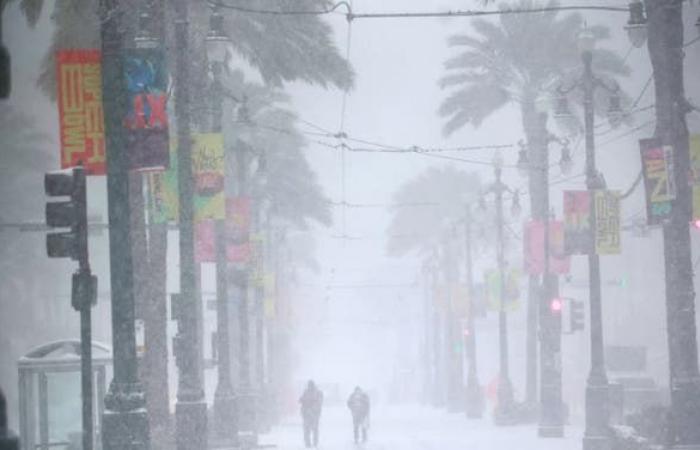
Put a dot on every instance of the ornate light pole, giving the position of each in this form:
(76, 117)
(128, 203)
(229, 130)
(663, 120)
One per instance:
(551, 414)
(597, 433)
(474, 405)
(225, 425)
(125, 422)
(191, 407)
(504, 413)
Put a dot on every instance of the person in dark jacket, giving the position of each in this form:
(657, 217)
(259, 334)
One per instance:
(311, 403)
(359, 408)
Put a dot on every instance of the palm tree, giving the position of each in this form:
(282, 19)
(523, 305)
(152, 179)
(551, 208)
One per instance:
(514, 62)
(445, 192)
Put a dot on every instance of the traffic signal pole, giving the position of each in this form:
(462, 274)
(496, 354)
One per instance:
(74, 244)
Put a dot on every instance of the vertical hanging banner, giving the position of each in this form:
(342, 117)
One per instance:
(163, 202)
(146, 121)
(257, 253)
(695, 168)
(493, 289)
(79, 98)
(607, 222)
(657, 167)
(208, 171)
(205, 241)
(559, 262)
(578, 232)
(238, 248)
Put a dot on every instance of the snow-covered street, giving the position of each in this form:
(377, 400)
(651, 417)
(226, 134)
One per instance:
(417, 428)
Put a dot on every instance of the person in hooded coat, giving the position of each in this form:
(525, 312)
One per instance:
(311, 403)
(358, 403)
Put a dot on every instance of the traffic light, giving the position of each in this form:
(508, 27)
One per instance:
(70, 213)
(556, 305)
(578, 316)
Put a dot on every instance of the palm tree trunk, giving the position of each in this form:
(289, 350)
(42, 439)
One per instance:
(665, 48)
(538, 212)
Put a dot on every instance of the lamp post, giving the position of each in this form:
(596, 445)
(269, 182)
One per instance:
(504, 413)
(125, 422)
(225, 426)
(474, 405)
(597, 433)
(551, 416)
(191, 407)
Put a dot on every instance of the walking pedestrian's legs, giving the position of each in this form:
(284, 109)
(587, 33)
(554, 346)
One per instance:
(307, 433)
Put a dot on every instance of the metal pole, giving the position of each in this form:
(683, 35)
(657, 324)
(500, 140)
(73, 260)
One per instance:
(474, 403)
(245, 401)
(190, 408)
(86, 378)
(666, 34)
(125, 422)
(224, 398)
(597, 433)
(503, 415)
(260, 319)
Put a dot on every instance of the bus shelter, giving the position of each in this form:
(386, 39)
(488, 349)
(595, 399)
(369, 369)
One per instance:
(50, 394)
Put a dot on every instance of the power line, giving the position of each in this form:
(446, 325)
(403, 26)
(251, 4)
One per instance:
(351, 15)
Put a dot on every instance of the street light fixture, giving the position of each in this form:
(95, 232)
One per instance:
(637, 24)
(523, 163)
(566, 164)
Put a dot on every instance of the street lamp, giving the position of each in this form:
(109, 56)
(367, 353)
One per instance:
(551, 417)
(504, 413)
(225, 426)
(637, 24)
(597, 433)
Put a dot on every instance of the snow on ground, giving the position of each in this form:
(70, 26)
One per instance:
(418, 428)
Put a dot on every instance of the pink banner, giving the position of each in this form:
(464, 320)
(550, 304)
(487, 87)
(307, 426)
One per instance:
(559, 262)
(205, 241)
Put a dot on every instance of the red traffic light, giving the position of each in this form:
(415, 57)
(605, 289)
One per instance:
(556, 305)
(696, 223)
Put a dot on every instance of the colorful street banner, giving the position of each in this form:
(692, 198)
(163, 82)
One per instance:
(163, 199)
(559, 262)
(492, 288)
(578, 232)
(657, 167)
(238, 248)
(205, 241)
(81, 118)
(146, 121)
(607, 219)
(208, 170)
(695, 168)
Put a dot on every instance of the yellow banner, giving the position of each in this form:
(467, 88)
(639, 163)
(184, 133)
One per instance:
(607, 222)
(208, 167)
(695, 167)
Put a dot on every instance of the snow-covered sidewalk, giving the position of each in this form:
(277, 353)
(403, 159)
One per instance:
(417, 428)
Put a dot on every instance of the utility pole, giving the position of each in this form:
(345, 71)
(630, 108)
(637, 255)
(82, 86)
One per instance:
(190, 408)
(474, 400)
(259, 311)
(665, 45)
(125, 422)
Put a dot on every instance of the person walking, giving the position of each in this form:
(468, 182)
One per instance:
(311, 403)
(358, 403)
